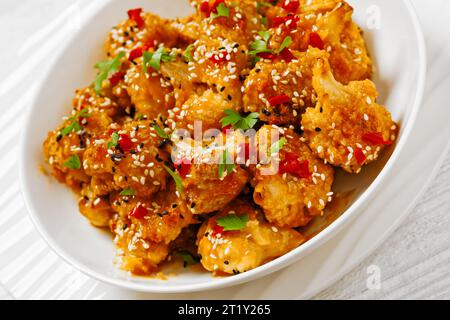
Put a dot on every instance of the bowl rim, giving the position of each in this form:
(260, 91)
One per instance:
(268, 268)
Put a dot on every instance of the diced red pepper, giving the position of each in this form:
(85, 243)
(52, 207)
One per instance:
(290, 164)
(244, 153)
(136, 53)
(217, 230)
(135, 15)
(359, 156)
(291, 5)
(224, 129)
(376, 139)
(278, 20)
(139, 212)
(183, 168)
(148, 44)
(116, 77)
(266, 55)
(204, 7)
(316, 41)
(287, 55)
(219, 58)
(278, 100)
(125, 143)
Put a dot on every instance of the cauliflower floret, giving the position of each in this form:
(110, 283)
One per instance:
(137, 255)
(271, 81)
(347, 128)
(232, 252)
(98, 211)
(297, 174)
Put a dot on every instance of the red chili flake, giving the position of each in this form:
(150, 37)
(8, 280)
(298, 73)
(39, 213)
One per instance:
(183, 168)
(220, 57)
(204, 7)
(125, 143)
(138, 212)
(136, 53)
(278, 21)
(290, 164)
(376, 139)
(116, 77)
(277, 100)
(359, 156)
(267, 55)
(216, 230)
(316, 41)
(135, 15)
(287, 55)
(291, 5)
(148, 44)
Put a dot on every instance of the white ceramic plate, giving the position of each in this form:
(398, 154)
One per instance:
(398, 50)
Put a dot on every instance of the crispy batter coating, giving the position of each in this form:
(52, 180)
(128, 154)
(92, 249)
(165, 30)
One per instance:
(233, 252)
(306, 189)
(269, 80)
(340, 129)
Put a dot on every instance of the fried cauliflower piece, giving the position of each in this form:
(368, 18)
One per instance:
(159, 218)
(347, 128)
(326, 25)
(233, 252)
(98, 211)
(129, 35)
(135, 161)
(269, 81)
(297, 174)
(207, 108)
(242, 22)
(150, 93)
(136, 254)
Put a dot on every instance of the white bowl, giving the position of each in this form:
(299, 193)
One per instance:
(396, 43)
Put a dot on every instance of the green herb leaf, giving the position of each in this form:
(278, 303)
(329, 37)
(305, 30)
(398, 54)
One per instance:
(106, 69)
(264, 21)
(114, 140)
(154, 59)
(222, 11)
(226, 164)
(277, 146)
(260, 45)
(188, 258)
(176, 178)
(239, 122)
(160, 131)
(233, 222)
(286, 43)
(187, 55)
(73, 163)
(128, 192)
(74, 126)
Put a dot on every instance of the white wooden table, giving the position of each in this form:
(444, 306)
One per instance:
(413, 262)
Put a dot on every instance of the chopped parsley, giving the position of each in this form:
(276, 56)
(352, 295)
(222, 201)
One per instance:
(74, 126)
(277, 146)
(160, 131)
(260, 45)
(187, 55)
(188, 258)
(128, 192)
(239, 122)
(286, 43)
(226, 164)
(114, 140)
(73, 163)
(106, 69)
(222, 11)
(233, 222)
(154, 59)
(176, 178)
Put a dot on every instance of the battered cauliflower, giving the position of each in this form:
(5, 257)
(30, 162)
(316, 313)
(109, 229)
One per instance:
(347, 128)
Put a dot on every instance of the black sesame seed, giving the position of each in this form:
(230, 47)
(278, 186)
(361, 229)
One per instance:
(318, 129)
(226, 262)
(58, 138)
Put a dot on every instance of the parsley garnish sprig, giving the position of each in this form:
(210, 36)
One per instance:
(154, 59)
(233, 222)
(239, 122)
(73, 163)
(74, 126)
(222, 11)
(128, 192)
(176, 178)
(226, 164)
(261, 45)
(106, 69)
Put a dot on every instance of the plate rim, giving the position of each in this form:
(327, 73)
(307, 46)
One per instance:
(269, 267)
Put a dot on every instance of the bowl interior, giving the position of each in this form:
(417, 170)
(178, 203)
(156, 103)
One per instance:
(390, 33)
